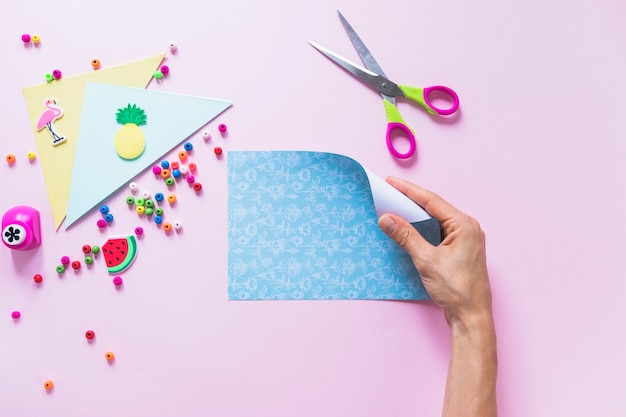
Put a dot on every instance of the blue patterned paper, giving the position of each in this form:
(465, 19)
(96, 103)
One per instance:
(302, 225)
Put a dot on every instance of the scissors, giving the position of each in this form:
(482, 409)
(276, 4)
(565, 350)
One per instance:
(374, 76)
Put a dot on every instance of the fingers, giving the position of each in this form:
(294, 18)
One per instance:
(405, 235)
(431, 202)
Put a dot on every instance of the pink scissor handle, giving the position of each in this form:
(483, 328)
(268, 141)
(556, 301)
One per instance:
(391, 127)
(445, 90)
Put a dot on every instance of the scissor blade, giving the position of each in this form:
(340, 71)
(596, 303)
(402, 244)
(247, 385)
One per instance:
(364, 53)
(376, 81)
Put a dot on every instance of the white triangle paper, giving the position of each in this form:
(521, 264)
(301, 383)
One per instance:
(98, 170)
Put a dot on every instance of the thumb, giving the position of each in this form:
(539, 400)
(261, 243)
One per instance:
(405, 235)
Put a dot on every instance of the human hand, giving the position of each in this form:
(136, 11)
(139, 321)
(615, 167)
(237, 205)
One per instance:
(455, 272)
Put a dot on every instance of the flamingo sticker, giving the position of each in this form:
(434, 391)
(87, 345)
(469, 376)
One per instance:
(48, 117)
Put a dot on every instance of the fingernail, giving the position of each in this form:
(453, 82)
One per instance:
(387, 224)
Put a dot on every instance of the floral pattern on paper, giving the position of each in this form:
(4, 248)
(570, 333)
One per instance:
(302, 225)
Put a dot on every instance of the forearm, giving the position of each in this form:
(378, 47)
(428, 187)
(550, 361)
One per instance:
(471, 384)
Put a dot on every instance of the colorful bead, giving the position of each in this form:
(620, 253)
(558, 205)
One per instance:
(217, 150)
(184, 170)
(165, 173)
(222, 128)
(109, 356)
(191, 179)
(193, 167)
(108, 218)
(95, 63)
(36, 39)
(31, 156)
(188, 146)
(10, 159)
(174, 165)
(90, 334)
(140, 201)
(76, 265)
(138, 230)
(169, 181)
(130, 200)
(165, 164)
(158, 219)
(171, 198)
(57, 74)
(149, 203)
(38, 278)
(149, 211)
(206, 135)
(177, 225)
(16, 314)
(104, 209)
(118, 281)
(176, 173)
(140, 209)
(146, 195)
(48, 385)
(65, 260)
(158, 211)
(26, 38)
(86, 249)
(60, 269)
(158, 196)
(95, 249)
(165, 69)
(167, 227)
(133, 187)
(101, 223)
(156, 170)
(197, 186)
(49, 77)
(88, 260)
(182, 155)
(158, 74)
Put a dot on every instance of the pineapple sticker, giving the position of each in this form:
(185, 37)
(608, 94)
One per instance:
(129, 140)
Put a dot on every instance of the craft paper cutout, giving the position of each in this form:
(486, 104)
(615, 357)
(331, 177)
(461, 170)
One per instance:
(129, 140)
(48, 117)
(98, 170)
(57, 162)
(303, 225)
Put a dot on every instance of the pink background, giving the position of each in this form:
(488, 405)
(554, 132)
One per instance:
(537, 154)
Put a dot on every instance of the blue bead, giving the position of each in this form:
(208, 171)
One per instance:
(188, 146)
(158, 197)
(165, 165)
(108, 217)
(104, 209)
(158, 219)
(176, 173)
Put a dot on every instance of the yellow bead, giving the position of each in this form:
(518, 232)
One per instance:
(140, 209)
(36, 39)
(31, 156)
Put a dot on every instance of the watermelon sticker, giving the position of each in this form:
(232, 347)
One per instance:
(119, 253)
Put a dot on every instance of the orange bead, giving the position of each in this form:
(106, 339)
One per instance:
(165, 173)
(182, 155)
(171, 198)
(95, 63)
(48, 385)
(193, 167)
(109, 356)
(167, 227)
(10, 159)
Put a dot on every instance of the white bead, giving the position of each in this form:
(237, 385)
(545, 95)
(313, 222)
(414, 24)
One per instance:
(133, 186)
(206, 135)
(178, 225)
(146, 195)
(183, 170)
(173, 46)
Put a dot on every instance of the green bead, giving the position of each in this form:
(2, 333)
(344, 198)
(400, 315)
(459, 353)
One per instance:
(130, 200)
(158, 211)
(95, 249)
(149, 211)
(140, 201)
(60, 269)
(169, 181)
(88, 260)
(158, 74)
(49, 77)
(149, 203)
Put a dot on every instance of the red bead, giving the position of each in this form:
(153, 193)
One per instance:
(86, 249)
(197, 186)
(76, 265)
(90, 334)
(217, 150)
(38, 278)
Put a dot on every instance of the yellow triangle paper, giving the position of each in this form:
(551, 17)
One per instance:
(57, 159)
